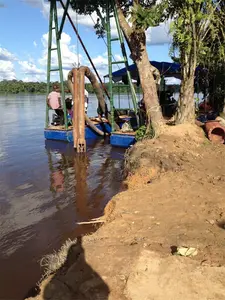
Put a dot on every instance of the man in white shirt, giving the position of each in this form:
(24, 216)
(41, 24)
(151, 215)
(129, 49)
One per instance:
(86, 94)
(86, 100)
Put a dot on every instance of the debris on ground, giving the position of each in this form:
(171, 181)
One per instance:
(186, 251)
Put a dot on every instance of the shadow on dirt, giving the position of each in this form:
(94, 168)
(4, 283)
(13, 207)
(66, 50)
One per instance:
(74, 280)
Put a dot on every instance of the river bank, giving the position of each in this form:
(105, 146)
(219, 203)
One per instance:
(174, 198)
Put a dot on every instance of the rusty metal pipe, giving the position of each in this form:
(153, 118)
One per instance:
(97, 89)
(70, 81)
(93, 127)
(88, 121)
(99, 93)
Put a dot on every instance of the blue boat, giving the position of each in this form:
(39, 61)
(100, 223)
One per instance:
(117, 139)
(122, 139)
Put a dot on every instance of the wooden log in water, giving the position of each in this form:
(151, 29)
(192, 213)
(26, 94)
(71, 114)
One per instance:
(75, 105)
(81, 142)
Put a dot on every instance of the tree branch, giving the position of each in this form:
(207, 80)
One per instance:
(101, 17)
(123, 22)
(194, 42)
(204, 27)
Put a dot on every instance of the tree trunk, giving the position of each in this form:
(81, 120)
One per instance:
(153, 108)
(186, 103)
(136, 40)
(186, 107)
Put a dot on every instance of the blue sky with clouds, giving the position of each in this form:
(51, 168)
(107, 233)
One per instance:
(23, 41)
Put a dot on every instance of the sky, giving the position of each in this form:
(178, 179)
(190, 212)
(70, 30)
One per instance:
(24, 38)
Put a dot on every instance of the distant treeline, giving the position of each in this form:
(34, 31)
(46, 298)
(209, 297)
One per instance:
(19, 86)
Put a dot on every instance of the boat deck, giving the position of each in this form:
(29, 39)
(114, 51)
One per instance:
(122, 139)
(118, 139)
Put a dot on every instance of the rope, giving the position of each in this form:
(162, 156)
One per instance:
(119, 96)
(128, 96)
(117, 67)
(78, 56)
(155, 108)
(85, 50)
(105, 43)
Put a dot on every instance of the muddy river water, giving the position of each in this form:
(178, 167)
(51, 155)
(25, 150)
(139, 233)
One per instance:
(45, 189)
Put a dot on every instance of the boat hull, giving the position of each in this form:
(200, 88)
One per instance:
(117, 139)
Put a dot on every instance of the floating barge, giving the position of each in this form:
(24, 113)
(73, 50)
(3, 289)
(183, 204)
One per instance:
(121, 139)
(80, 132)
(117, 139)
(59, 133)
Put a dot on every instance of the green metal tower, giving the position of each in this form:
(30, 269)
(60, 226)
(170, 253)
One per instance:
(110, 13)
(53, 25)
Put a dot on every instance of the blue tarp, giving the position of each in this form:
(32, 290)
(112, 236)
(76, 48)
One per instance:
(165, 68)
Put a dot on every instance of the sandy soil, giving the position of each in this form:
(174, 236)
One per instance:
(175, 197)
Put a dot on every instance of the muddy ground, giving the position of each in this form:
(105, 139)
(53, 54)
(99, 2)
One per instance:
(175, 197)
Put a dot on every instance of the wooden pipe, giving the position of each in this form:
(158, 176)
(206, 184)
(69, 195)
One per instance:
(88, 121)
(75, 88)
(81, 142)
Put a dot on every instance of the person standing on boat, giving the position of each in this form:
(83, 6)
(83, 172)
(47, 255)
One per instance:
(69, 108)
(86, 100)
(54, 102)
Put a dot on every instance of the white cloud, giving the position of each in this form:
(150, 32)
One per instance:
(159, 35)
(6, 55)
(100, 62)
(7, 70)
(69, 57)
(6, 65)
(36, 78)
(29, 68)
(117, 57)
(35, 44)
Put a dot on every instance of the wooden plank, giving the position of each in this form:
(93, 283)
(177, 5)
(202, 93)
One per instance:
(59, 127)
(123, 133)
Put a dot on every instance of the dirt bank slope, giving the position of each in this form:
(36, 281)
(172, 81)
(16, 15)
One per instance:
(175, 198)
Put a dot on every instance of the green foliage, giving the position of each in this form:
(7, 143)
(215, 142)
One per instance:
(199, 38)
(142, 14)
(99, 29)
(197, 28)
(19, 86)
(142, 133)
(143, 17)
(89, 6)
